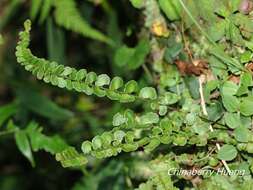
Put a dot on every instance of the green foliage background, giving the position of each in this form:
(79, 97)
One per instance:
(110, 108)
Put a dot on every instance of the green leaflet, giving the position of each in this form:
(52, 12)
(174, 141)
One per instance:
(242, 134)
(227, 152)
(81, 81)
(232, 120)
(24, 145)
(246, 106)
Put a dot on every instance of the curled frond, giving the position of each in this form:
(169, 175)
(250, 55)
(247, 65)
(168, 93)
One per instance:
(78, 80)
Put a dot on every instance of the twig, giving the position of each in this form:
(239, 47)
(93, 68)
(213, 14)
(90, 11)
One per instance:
(203, 106)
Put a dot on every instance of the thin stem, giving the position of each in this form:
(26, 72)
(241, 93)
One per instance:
(203, 106)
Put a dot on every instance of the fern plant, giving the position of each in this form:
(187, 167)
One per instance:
(196, 116)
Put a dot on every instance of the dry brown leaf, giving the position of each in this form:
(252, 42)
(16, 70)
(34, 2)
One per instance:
(197, 68)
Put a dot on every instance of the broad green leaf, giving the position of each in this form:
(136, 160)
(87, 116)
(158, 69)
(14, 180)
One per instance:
(246, 79)
(227, 152)
(229, 88)
(231, 103)
(246, 106)
(242, 90)
(232, 120)
(245, 82)
(215, 111)
(241, 134)
(24, 145)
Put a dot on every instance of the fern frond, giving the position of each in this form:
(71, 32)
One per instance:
(39, 141)
(67, 15)
(79, 80)
(125, 137)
